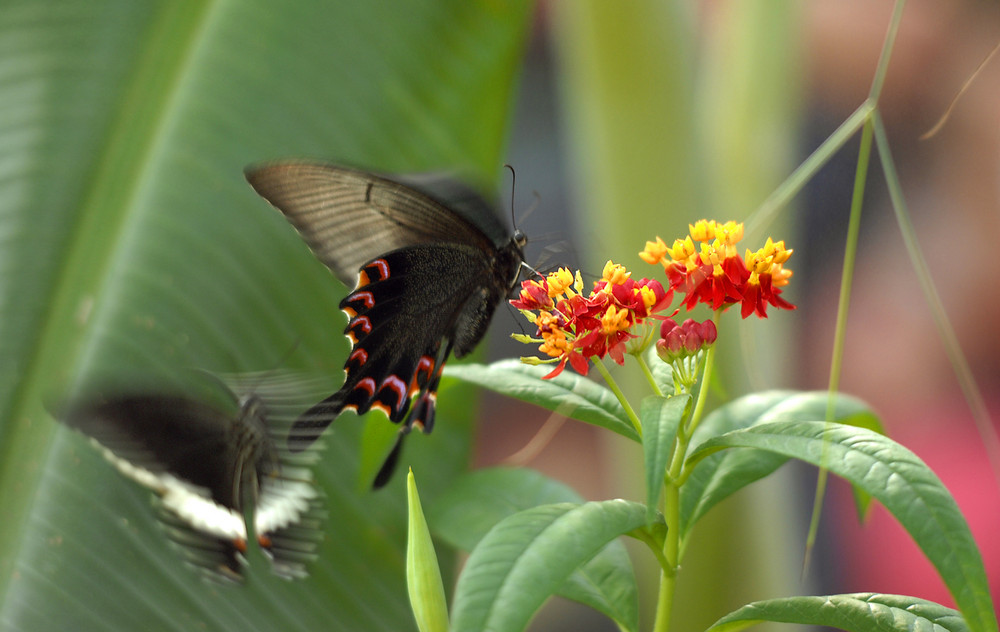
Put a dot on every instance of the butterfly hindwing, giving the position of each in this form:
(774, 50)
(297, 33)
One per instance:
(403, 295)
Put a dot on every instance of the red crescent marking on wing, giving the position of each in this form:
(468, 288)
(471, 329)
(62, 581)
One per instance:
(360, 356)
(365, 296)
(427, 402)
(424, 367)
(383, 268)
(367, 384)
(426, 364)
(361, 321)
(398, 387)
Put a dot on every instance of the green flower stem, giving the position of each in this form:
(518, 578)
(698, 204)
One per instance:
(706, 375)
(672, 495)
(648, 374)
(671, 544)
(632, 417)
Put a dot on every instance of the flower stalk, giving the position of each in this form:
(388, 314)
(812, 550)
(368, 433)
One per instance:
(613, 385)
(616, 319)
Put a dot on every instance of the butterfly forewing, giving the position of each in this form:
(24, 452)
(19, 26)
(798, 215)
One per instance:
(347, 217)
(162, 433)
(205, 462)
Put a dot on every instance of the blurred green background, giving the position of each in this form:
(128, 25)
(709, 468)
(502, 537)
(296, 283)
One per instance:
(131, 245)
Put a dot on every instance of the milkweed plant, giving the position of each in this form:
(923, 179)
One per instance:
(530, 537)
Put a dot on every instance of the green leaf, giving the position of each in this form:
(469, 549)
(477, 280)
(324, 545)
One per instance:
(567, 394)
(663, 372)
(132, 246)
(898, 479)
(477, 501)
(527, 557)
(858, 612)
(423, 576)
(720, 475)
(660, 417)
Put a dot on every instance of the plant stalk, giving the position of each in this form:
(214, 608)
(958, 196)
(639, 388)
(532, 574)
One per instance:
(629, 412)
(671, 497)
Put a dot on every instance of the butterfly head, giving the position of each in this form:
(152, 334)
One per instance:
(519, 240)
(511, 257)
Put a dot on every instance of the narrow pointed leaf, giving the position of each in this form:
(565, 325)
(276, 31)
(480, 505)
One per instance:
(464, 513)
(527, 557)
(423, 576)
(660, 417)
(568, 394)
(858, 612)
(899, 480)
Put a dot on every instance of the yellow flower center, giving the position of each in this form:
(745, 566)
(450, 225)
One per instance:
(554, 341)
(614, 320)
(769, 260)
(683, 251)
(648, 296)
(559, 281)
(654, 252)
(615, 274)
(703, 230)
(729, 233)
(779, 275)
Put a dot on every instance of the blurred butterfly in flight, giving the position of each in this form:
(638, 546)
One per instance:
(429, 262)
(208, 464)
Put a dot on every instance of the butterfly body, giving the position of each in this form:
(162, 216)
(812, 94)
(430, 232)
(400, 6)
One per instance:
(208, 465)
(429, 261)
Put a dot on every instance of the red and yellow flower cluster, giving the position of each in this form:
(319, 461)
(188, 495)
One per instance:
(575, 328)
(716, 275)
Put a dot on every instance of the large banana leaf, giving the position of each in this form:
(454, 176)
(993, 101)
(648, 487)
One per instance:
(130, 245)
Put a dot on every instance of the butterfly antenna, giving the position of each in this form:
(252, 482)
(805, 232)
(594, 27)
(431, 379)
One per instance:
(513, 182)
(531, 209)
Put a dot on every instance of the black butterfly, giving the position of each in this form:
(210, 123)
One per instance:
(207, 464)
(430, 261)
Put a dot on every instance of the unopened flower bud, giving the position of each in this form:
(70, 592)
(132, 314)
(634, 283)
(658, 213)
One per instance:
(709, 333)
